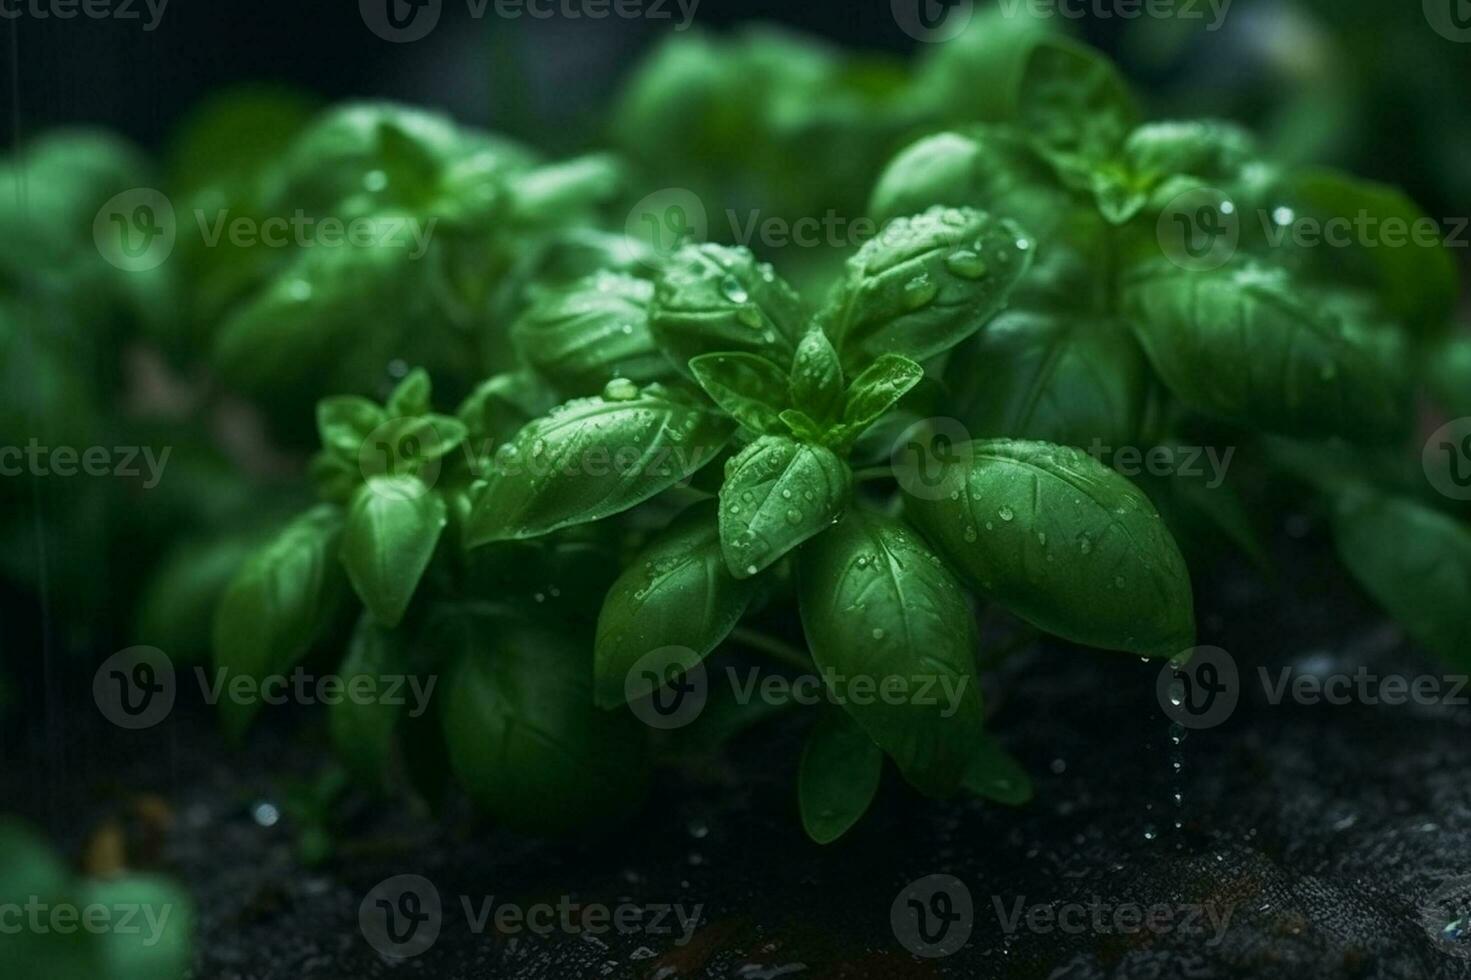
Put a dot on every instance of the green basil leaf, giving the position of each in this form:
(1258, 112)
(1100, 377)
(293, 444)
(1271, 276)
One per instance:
(278, 605)
(817, 378)
(140, 953)
(995, 775)
(412, 395)
(677, 592)
(1065, 543)
(924, 285)
(344, 422)
(777, 494)
(176, 611)
(546, 195)
(1074, 102)
(362, 731)
(839, 776)
(1245, 345)
(1415, 562)
(590, 332)
(393, 527)
(802, 426)
(877, 603)
(500, 406)
(1053, 377)
(879, 389)
(750, 388)
(592, 458)
(523, 735)
(411, 446)
(30, 869)
(1448, 364)
(710, 298)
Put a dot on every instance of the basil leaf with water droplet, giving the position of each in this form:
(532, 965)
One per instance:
(277, 606)
(747, 386)
(778, 493)
(877, 390)
(924, 284)
(817, 378)
(709, 298)
(362, 730)
(838, 778)
(592, 458)
(393, 527)
(1250, 346)
(879, 608)
(677, 592)
(523, 736)
(1415, 562)
(582, 336)
(1064, 542)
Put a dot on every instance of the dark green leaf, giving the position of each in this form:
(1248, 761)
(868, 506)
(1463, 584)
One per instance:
(710, 299)
(1064, 542)
(877, 604)
(839, 776)
(777, 494)
(362, 730)
(590, 332)
(750, 388)
(817, 378)
(995, 775)
(393, 527)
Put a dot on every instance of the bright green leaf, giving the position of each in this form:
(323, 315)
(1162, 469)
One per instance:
(777, 494)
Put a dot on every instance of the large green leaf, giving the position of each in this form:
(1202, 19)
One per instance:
(1415, 562)
(677, 592)
(1247, 345)
(839, 776)
(924, 284)
(1064, 542)
(277, 605)
(710, 299)
(592, 458)
(879, 607)
(778, 493)
(524, 737)
(393, 527)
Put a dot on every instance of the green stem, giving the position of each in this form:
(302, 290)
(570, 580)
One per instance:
(772, 647)
(873, 473)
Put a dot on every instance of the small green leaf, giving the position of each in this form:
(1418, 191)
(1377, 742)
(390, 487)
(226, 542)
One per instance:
(924, 284)
(362, 731)
(777, 494)
(879, 389)
(500, 406)
(412, 396)
(393, 527)
(748, 386)
(710, 298)
(802, 427)
(592, 458)
(158, 948)
(344, 422)
(839, 776)
(278, 605)
(677, 592)
(1064, 542)
(817, 378)
(584, 335)
(523, 735)
(878, 608)
(1415, 562)
(1248, 346)
(995, 775)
